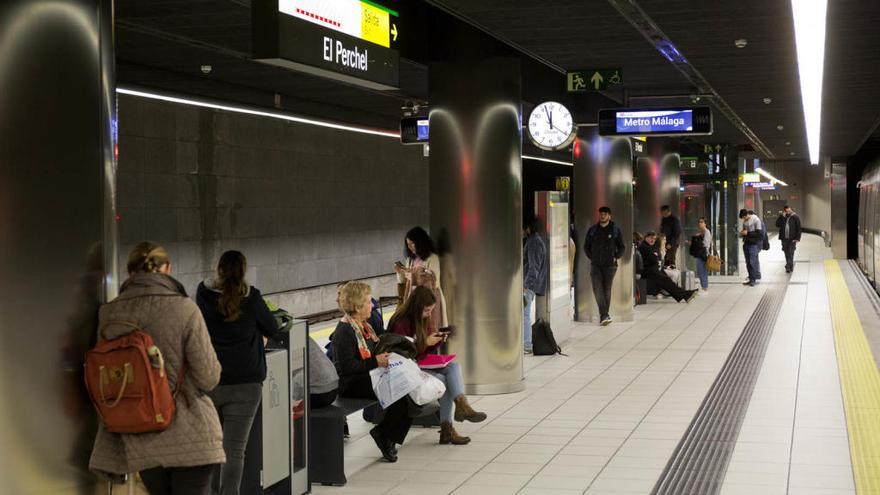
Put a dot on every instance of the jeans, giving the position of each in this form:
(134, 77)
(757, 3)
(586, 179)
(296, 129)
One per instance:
(702, 273)
(451, 377)
(753, 264)
(236, 405)
(602, 278)
(788, 248)
(194, 480)
(529, 298)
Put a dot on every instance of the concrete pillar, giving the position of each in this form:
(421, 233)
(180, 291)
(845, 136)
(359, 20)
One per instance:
(476, 214)
(56, 221)
(603, 173)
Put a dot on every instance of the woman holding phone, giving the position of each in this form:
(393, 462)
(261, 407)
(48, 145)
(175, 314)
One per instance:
(413, 319)
(422, 269)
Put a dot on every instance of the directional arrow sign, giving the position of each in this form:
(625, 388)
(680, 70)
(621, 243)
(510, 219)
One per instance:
(593, 79)
(394, 32)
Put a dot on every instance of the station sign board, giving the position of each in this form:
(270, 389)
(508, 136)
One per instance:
(678, 121)
(414, 130)
(349, 40)
(749, 178)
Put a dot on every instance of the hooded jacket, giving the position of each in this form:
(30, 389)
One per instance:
(158, 304)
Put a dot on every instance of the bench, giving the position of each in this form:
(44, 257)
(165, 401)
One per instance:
(326, 429)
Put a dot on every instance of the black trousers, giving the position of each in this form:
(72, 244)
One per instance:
(317, 401)
(788, 248)
(602, 277)
(396, 422)
(660, 281)
(178, 481)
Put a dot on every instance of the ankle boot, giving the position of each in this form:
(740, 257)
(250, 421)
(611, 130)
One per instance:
(464, 411)
(449, 435)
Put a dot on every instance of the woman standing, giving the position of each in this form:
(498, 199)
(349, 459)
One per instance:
(701, 248)
(354, 353)
(413, 319)
(180, 459)
(238, 320)
(423, 268)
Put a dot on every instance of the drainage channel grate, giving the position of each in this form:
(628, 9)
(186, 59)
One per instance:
(700, 460)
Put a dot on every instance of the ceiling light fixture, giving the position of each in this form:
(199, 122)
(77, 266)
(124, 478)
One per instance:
(741, 43)
(788, 143)
(766, 174)
(768, 101)
(206, 68)
(780, 127)
(548, 160)
(809, 33)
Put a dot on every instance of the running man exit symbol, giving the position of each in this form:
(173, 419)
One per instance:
(593, 79)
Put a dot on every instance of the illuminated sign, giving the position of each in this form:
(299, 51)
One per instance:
(413, 130)
(749, 178)
(655, 121)
(348, 40)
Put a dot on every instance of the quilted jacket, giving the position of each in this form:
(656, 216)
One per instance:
(159, 305)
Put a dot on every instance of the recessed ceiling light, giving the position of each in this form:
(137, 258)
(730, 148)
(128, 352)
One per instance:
(791, 153)
(780, 127)
(206, 68)
(741, 43)
(788, 143)
(768, 101)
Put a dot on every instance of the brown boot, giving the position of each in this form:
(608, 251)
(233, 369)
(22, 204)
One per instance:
(464, 411)
(449, 435)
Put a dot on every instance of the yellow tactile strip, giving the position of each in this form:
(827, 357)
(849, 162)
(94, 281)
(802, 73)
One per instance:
(860, 383)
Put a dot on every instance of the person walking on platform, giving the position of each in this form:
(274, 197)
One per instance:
(238, 321)
(752, 234)
(670, 227)
(603, 246)
(534, 275)
(653, 271)
(789, 225)
(701, 248)
(180, 459)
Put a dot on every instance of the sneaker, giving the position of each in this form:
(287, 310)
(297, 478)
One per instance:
(749, 282)
(605, 321)
(527, 351)
(690, 297)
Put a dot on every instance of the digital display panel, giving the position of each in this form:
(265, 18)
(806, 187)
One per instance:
(414, 130)
(680, 121)
(366, 20)
(422, 127)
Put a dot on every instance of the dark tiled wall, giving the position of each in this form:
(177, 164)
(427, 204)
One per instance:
(307, 205)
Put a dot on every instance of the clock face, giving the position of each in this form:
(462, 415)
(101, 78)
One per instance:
(551, 126)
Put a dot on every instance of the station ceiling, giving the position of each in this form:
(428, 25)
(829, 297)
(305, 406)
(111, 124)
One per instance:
(162, 44)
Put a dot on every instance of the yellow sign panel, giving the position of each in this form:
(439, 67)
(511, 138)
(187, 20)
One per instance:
(375, 25)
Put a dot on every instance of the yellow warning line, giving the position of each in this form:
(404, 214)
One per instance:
(860, 383)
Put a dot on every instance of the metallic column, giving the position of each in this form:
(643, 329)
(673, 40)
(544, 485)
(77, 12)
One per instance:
(476, 215)
(838, 209)
(646, 195)
(603, 173)
(56, 169)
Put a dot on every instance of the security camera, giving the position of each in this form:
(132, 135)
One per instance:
(410, 108)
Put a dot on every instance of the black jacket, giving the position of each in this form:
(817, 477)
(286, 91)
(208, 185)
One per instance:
(794, 227)
(239, 343)
(698, 247)
(650, 258)
(671, 227)
(604, 245)
(347, 357)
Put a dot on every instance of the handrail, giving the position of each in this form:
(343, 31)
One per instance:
(819, 232)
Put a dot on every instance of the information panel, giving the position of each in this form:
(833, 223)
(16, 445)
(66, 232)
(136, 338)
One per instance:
(348, 40)
(655, 121)
(414, 130)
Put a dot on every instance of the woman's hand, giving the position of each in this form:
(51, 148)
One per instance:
(435, 339)
(382, 359)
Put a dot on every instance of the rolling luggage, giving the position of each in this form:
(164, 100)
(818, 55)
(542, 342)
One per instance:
(688, 280)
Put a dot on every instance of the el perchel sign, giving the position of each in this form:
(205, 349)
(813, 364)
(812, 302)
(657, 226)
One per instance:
(348, 40)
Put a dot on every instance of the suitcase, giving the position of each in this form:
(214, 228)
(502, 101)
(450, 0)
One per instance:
(688, 280)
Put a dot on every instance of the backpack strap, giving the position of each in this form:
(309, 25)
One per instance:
(119, 322)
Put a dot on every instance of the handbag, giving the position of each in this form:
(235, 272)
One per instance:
(713, 263)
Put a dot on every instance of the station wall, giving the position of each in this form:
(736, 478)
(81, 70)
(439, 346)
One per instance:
(308, 206)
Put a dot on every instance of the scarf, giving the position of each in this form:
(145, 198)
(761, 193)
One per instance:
(362, 331)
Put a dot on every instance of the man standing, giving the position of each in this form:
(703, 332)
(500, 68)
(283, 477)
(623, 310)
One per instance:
(789, 225)
(603, 246)
(671, 228)
(534, 276)
(752, 234)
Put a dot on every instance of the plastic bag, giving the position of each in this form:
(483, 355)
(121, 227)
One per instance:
(430, 389)
(395, 381)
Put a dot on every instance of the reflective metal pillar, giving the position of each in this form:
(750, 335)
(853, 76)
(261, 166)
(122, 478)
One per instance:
(476, 215)
(603, 173)
(56, 168)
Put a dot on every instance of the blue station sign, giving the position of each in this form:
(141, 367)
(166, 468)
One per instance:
(680, 121)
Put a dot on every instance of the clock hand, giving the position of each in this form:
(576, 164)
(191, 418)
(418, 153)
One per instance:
(560, 130)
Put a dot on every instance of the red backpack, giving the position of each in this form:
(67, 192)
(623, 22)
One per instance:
(127, 383)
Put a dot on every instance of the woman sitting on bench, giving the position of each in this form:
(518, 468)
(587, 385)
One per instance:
(354, 354)
(653, 273)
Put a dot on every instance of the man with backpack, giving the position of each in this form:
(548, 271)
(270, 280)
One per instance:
(789, 225)
(603, 246)
(534, 275)
(753, 236)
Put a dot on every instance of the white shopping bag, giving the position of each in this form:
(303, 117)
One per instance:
(430, 389)
(398, 379)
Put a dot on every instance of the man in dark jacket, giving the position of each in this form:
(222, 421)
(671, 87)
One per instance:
(603, 246)
(534, 276)
(670, 227)
(789, 225)
(653, 272)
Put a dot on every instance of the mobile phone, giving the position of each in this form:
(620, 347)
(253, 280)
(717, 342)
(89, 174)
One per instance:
(398, 263)
(446, 330)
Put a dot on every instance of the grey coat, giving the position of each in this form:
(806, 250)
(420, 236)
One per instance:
(159, 305)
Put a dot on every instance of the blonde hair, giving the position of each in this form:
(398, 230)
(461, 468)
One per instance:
(352, 295)
(147, 257)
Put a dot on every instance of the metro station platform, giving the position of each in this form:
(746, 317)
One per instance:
(742, 391)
